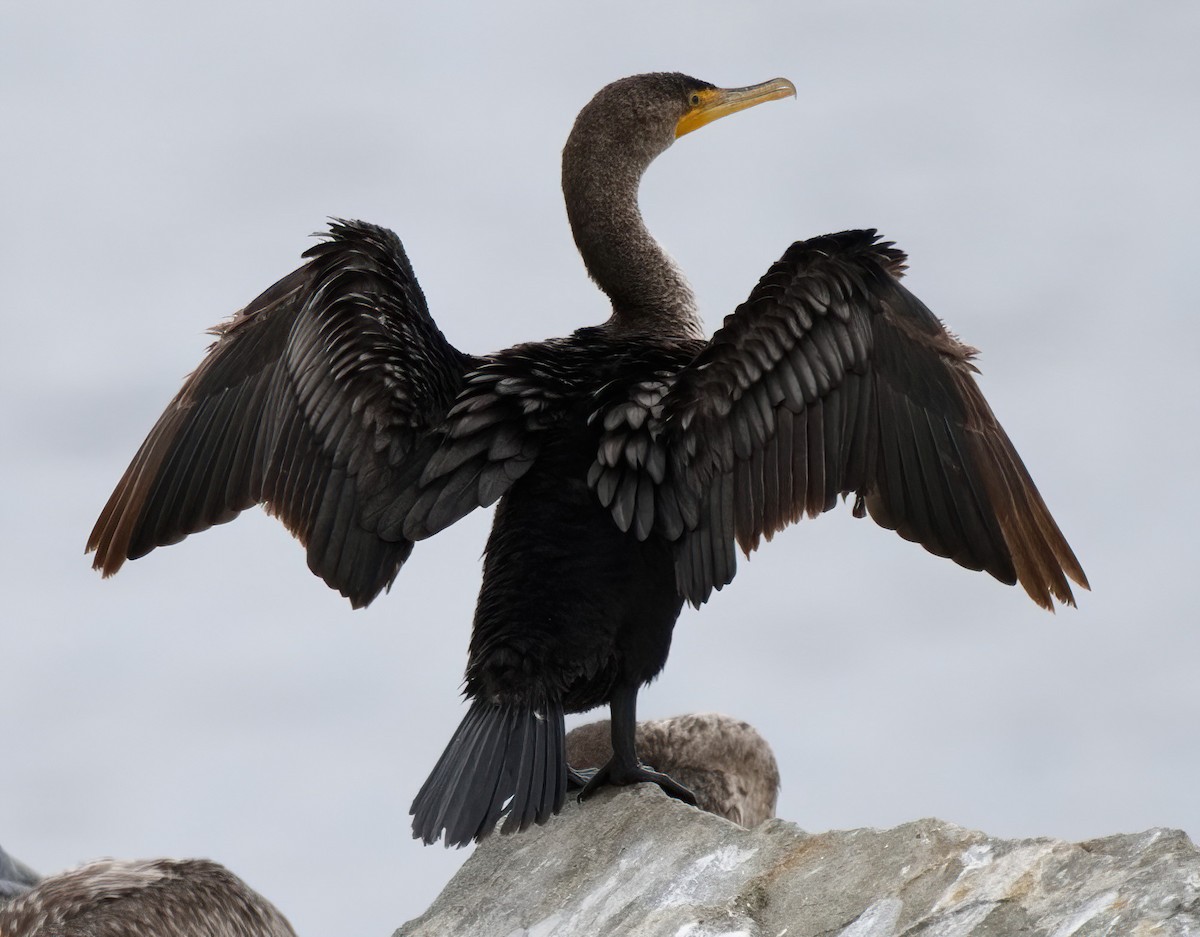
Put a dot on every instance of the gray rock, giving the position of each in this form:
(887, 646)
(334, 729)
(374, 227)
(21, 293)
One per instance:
(635, 863)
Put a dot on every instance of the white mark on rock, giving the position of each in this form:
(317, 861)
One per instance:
(960, 922)
(1086, 913)
(546, 927)
(703, 876)
(612, 893)
(985, 880)
(999, 878)
(976, 857)
(694, 930)
(879, 920)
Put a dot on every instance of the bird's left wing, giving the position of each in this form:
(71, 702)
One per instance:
(316, 401)
(831, 378)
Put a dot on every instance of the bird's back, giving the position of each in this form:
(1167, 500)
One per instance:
(569, 600)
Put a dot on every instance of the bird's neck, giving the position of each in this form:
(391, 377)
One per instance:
(649, 293)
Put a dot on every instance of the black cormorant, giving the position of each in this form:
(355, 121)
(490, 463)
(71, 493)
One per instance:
(628, 458)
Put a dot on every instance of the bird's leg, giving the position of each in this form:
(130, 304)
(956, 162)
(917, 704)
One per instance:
(577, 779)
(624, 768)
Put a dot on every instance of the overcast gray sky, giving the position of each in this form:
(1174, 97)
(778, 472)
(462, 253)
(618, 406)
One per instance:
(163, 164)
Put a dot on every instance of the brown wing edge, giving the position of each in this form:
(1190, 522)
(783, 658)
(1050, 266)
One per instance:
(1041, 556)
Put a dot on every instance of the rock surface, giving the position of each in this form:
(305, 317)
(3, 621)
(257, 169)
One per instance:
(634, 863)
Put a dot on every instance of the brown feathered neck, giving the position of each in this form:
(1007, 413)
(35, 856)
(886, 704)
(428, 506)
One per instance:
(615, 138)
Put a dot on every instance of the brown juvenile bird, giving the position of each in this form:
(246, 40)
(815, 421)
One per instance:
(628, 458)
(143, 898)
(723, 761)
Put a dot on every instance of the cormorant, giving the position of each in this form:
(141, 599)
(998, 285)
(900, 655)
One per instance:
(628, 458)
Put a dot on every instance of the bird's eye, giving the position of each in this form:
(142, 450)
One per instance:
(695, 100)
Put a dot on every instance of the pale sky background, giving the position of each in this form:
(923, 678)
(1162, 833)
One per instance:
(163, 163)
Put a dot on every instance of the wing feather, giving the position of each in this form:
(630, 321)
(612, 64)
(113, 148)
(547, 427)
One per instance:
(308, 403)
(831, 379)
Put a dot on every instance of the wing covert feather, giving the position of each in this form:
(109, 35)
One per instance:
(489, 438)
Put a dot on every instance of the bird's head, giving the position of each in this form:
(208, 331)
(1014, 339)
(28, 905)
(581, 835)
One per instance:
(642, 115)
(616, 137)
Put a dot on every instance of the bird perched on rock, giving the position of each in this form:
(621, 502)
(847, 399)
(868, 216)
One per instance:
(143, 898)
(628, 458)
(723, 761)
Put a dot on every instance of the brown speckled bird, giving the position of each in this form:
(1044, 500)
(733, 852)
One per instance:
(723, 761)
(628, 458)
(143, 898)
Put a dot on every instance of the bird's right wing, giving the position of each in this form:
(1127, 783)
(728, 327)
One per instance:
(831, 378)
(315, 401)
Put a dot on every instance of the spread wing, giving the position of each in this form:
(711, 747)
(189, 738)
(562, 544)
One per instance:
(315, 401)
(831, 378)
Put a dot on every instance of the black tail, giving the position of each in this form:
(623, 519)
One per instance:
(507, 758)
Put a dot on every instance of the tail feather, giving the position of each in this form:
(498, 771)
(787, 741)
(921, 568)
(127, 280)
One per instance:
(451, 774)
(530, 776)
(508, 758)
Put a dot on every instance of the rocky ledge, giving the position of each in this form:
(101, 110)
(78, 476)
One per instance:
(634, 863)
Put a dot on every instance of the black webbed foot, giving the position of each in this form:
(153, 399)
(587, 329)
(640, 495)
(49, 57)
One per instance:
(615, 773)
